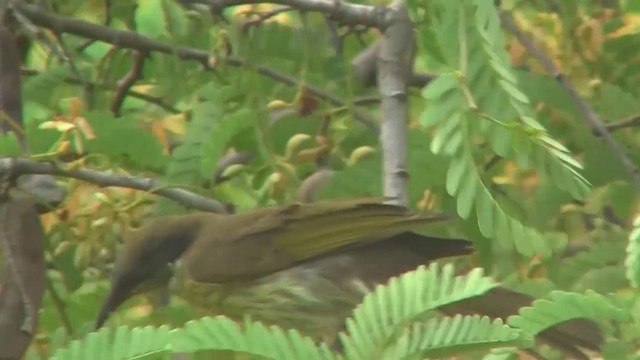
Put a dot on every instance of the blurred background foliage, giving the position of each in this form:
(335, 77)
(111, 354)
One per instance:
(178, 121)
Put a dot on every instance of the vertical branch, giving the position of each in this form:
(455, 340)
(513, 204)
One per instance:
(125, 84)
(43, 188)
(11, 99)
(395, 60)
(22, 264)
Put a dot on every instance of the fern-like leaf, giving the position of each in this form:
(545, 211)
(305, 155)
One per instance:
(479, 98)
(221, 333)
(384, 313)
(121, 344)
(562, 306)
(598, 256)
(444, 337)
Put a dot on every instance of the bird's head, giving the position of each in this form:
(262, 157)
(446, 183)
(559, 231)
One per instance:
(146, 258)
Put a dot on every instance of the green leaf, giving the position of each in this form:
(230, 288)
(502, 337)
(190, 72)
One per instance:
(561, 306)
(484, 213)
(149, 19)
(443, 84)
(442, 338)
(373, 327)
(124, 344)
(457, 170)
(466, 196)
(221, 333)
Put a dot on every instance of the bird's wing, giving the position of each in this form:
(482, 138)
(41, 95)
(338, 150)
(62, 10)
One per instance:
(306, 231)
(254, 244)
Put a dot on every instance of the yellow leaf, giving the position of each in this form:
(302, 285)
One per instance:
(278, 104)
(158, 130)
(631, 26)
(61, 126)
(176, 124)
(144, 88)
(85, 128)
(75, 108)
(502, 180)
(64, 147)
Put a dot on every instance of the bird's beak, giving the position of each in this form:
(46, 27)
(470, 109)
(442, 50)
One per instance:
(118, 294)
(122, 290)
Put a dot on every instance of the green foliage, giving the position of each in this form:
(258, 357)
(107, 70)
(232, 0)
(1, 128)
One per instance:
(563, 306)
(384, 316)
(123, 343)
(253, 338)
(438, 338)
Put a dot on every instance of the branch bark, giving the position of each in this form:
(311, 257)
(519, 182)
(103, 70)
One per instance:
(341, 11)
(365, 67)
(395, 62)
(21, 236)
(21, 166)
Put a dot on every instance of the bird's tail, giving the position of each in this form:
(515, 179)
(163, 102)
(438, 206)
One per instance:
(574, 337)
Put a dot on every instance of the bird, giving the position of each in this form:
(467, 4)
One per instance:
(305, 265)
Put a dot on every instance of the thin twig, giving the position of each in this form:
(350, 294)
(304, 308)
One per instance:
(66, 57)
(255, 18)
(495, 159)
(589, 115)
(617, 125)
(60, 306)
(125, 84)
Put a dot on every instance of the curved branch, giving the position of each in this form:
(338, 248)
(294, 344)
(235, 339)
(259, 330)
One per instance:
(22, 166)
(125, 84)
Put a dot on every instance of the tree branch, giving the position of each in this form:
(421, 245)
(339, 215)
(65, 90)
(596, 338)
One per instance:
(365, 66)
(589, 115)
(617, 125)
(22, 166)
(340, 11)
(125, 84)
(395, 62)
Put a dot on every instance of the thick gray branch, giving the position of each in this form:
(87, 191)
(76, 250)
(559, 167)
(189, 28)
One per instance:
(395, 60)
